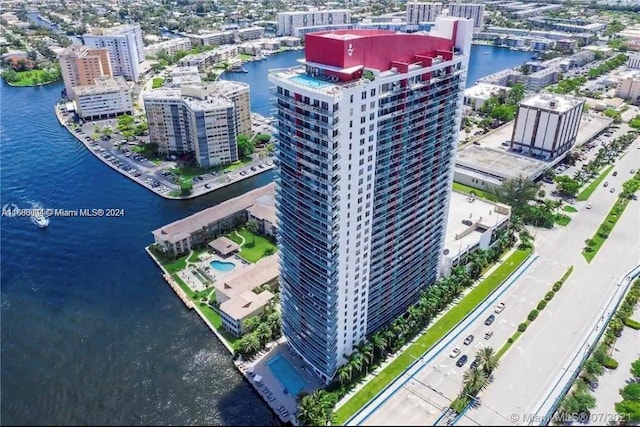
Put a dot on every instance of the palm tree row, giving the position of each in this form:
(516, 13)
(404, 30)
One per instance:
(260, 331)
(477, 378)
(316, 409)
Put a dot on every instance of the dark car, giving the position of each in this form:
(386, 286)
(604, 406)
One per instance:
(490, 320)
(463, 359)
(468, 340)
(475, 363)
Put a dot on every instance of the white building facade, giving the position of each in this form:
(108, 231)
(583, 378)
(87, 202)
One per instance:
(366, 134)
(629, 87)
(475, 12)
(125, 45)
(107, 97)
(546, 126)
(422, 12)
(288, 22)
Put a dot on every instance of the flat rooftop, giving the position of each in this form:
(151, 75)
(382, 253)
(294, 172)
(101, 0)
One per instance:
(482, 214)
(551, 102)
(497, 162)
(182, 228)
(484, 90)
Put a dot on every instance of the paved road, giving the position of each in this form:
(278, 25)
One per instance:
(626, 350)
(530, 370)
(531, 365)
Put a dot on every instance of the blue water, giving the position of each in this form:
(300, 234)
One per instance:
(223, 266)
(91, 333)
(480, 65)
(309, 81)
(287, 375)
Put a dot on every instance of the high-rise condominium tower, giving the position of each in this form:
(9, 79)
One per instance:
(366, 136)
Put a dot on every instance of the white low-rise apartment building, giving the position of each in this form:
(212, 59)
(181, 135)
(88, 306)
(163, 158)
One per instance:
(170, 47)
(210, 57)
(478, 94)
(107, 97)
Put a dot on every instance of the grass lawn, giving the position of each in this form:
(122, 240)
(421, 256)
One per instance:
(611, 220)
(245, 57)
(586, 193)
(157, 82)
(196, 253)
(175, 193)
(568, 208)
(424, 343)
(189, 172)
(252, 254)
(563, 219)
(461, 188)
(26, 78)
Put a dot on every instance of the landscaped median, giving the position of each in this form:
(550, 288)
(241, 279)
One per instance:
(595, 243)
(436, 332)
(589, 189)
(534, 313)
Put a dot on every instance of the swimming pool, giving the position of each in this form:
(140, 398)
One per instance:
(290, 379)
(309, 81)
(222, 266)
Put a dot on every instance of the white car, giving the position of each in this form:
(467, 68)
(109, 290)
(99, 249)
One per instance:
(588, 205)
(454, 353)
(499, 308)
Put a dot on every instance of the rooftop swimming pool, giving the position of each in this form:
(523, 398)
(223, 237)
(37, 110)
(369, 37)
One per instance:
(290, 379)
(309, 81)
(225, 267)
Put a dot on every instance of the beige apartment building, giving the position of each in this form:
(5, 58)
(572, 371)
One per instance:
(81, 65)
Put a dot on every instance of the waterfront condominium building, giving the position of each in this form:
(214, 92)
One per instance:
(422, 12)
(366, 132)
(104, 98)
(125, 45)
(289, 22)
(80, 66)
(546, 126)
(238, 93)
(475, 12)
(190, 120)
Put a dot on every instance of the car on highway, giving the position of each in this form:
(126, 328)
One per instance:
(488, 335)
(632, 171)
(499, 308)
(615, 173)
(454, 353)
(468, 340)
(606, 183)
(463, 359)
(588, 205)
(490, 320)
(613, 190)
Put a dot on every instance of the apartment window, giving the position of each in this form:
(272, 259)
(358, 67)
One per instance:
(351, 98)
(373, 105)
(363, 119)
(363, 108)
(364, 95)
(373, 92)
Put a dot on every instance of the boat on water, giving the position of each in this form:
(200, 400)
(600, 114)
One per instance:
(40, 219)
(487, 53)
(238, 69)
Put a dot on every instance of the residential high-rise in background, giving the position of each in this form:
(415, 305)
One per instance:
(80, 66)
(366, 136)
(475, 12)
(125, 45)
(299, 23)
(422, 12)
(546, 126)
(199, 120)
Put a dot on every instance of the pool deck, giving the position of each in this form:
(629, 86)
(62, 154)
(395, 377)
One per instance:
(270, 388)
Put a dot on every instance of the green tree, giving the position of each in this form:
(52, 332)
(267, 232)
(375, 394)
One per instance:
(186, 186)
(517, 193)
(245, 146)
(316, 409)
(379, 342)
(517, 93)
(567, 185)
(474, 381)
(344, 374)
(631, 392)
(140, 128)
(635, 370)
(250, 323)
(488, 360)
(252, 227)
(628, 410)
(249, 344)
(263, 331)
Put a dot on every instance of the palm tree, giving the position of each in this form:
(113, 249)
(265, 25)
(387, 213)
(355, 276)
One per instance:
(356, 361)
(474, 381)
(264, 333)
(344, 373)
(252, 227)
(250, 323)
(250, 343)
(367, 353)
(488, 360)
(379, 342)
